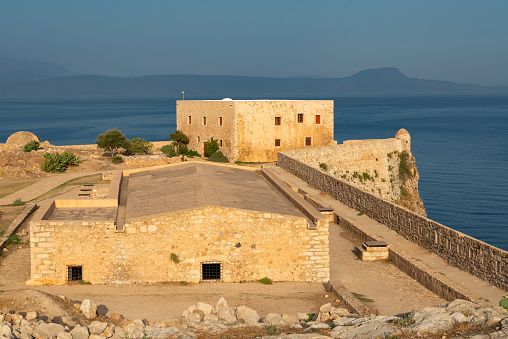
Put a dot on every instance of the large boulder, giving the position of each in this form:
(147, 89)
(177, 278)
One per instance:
(247, 315)
(48, 330)
(21, 138)
(88, 308)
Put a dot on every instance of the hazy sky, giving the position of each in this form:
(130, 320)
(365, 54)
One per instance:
(461, 40)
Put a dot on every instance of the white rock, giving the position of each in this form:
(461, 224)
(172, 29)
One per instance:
(326, 308)
(63, 335)
(5, 330)
(96, 327)
(211, 318)
(273, 319)
(458, 317)
(31, 315)
(247, 315)
(48, 330)
(432, 323)
(290, 319)
(89, 309)
(80, 332)
(206, 308)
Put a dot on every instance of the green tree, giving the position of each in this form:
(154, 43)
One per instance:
(111, 140)
(211, 146)
(180, 137)
(138, 146)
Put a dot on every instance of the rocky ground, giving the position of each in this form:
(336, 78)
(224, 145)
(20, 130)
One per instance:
(40, 315)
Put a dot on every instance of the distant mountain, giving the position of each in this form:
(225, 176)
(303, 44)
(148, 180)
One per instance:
(381, 80)
(26, 70)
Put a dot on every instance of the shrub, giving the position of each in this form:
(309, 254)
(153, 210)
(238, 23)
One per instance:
(183, 150)
(18, 202)
(13, 239)
(174, 258)
(33, 145)
(184, 283)
(111, 140)
(211, 146)
(180, 138)
(58, 162)
(323, 166)
(138, 146)
(404, 166)
(117, 160)
(192, 153)
(218, 157)
(169, 150)
(265, 281)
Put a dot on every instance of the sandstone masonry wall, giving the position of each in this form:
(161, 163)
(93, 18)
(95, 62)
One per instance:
(250, 245)
(472, 255)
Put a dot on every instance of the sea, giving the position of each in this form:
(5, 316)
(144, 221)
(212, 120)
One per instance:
(460, 141)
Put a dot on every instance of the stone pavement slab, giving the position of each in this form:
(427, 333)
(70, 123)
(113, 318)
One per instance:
(42, 186)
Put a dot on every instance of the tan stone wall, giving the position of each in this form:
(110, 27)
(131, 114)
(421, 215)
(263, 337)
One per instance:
(249, 129)
(256, 129)
(280, 247)
(199, 133)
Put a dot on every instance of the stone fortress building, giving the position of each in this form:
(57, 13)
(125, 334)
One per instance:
(192, 221)
(255, 130)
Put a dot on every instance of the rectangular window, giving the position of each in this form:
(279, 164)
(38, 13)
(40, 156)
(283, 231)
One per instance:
(74, 273)
(211, 271)
(190, 120)
(204, 121)
(220, 143)
(220, 121)
(300, 118)
(318, 119)
(308, 141)
(277, 142)
(277, 121)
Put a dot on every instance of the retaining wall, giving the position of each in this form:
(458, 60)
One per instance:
(467, 253)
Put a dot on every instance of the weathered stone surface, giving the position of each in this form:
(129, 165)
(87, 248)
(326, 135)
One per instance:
(89, 309)
(48, 330)
(80, 332)
(458, 317)
(432, 322)
(31, 315)
(64, 335)
(5, 330)
(247, 315)
(176, 322)
(273, 319)
(326, 308)
(290, 319)
(369, 329)
(97, 327)
(206, 308)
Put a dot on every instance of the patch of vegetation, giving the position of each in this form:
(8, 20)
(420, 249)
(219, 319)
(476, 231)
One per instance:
(138, 146)
(323, 166)
(82, 282)
(180, 138)
(310, 316)
(366, 176)
(389, 155)
(184, 283)
(174, 258)
(361, 213)
(117, 159)
(169, 150)
(265, 281)
(18, 202)
(272, 329)
(405, 320)
(191, 153)
(218, 157)
(58, 162)
(403, 192)
(111, 140)
(211, 146)
(33, 145)
(362, 297)
(390, 168)
(404, 166)
(13, 239)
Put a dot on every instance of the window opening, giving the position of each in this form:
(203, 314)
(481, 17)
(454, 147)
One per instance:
(277, 121)
(308, 141)
(199, 139)
(74, 273)
(204, 121)
(211, 271)
(318, 119)
(190, 120)
(220, 143)
(300, 118)
(277, 142)
(220, 121)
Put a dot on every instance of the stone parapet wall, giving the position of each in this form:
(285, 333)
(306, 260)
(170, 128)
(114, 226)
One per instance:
(472, 255)
(249, 245)
(150, 160)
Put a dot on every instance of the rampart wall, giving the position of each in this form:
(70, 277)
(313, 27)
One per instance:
(249, 245)
(472, 255)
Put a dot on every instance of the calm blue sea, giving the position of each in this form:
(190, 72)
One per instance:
(459, 141)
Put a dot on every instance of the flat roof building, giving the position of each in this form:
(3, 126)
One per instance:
(255, 130)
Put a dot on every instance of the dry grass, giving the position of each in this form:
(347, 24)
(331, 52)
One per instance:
(9, 187)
